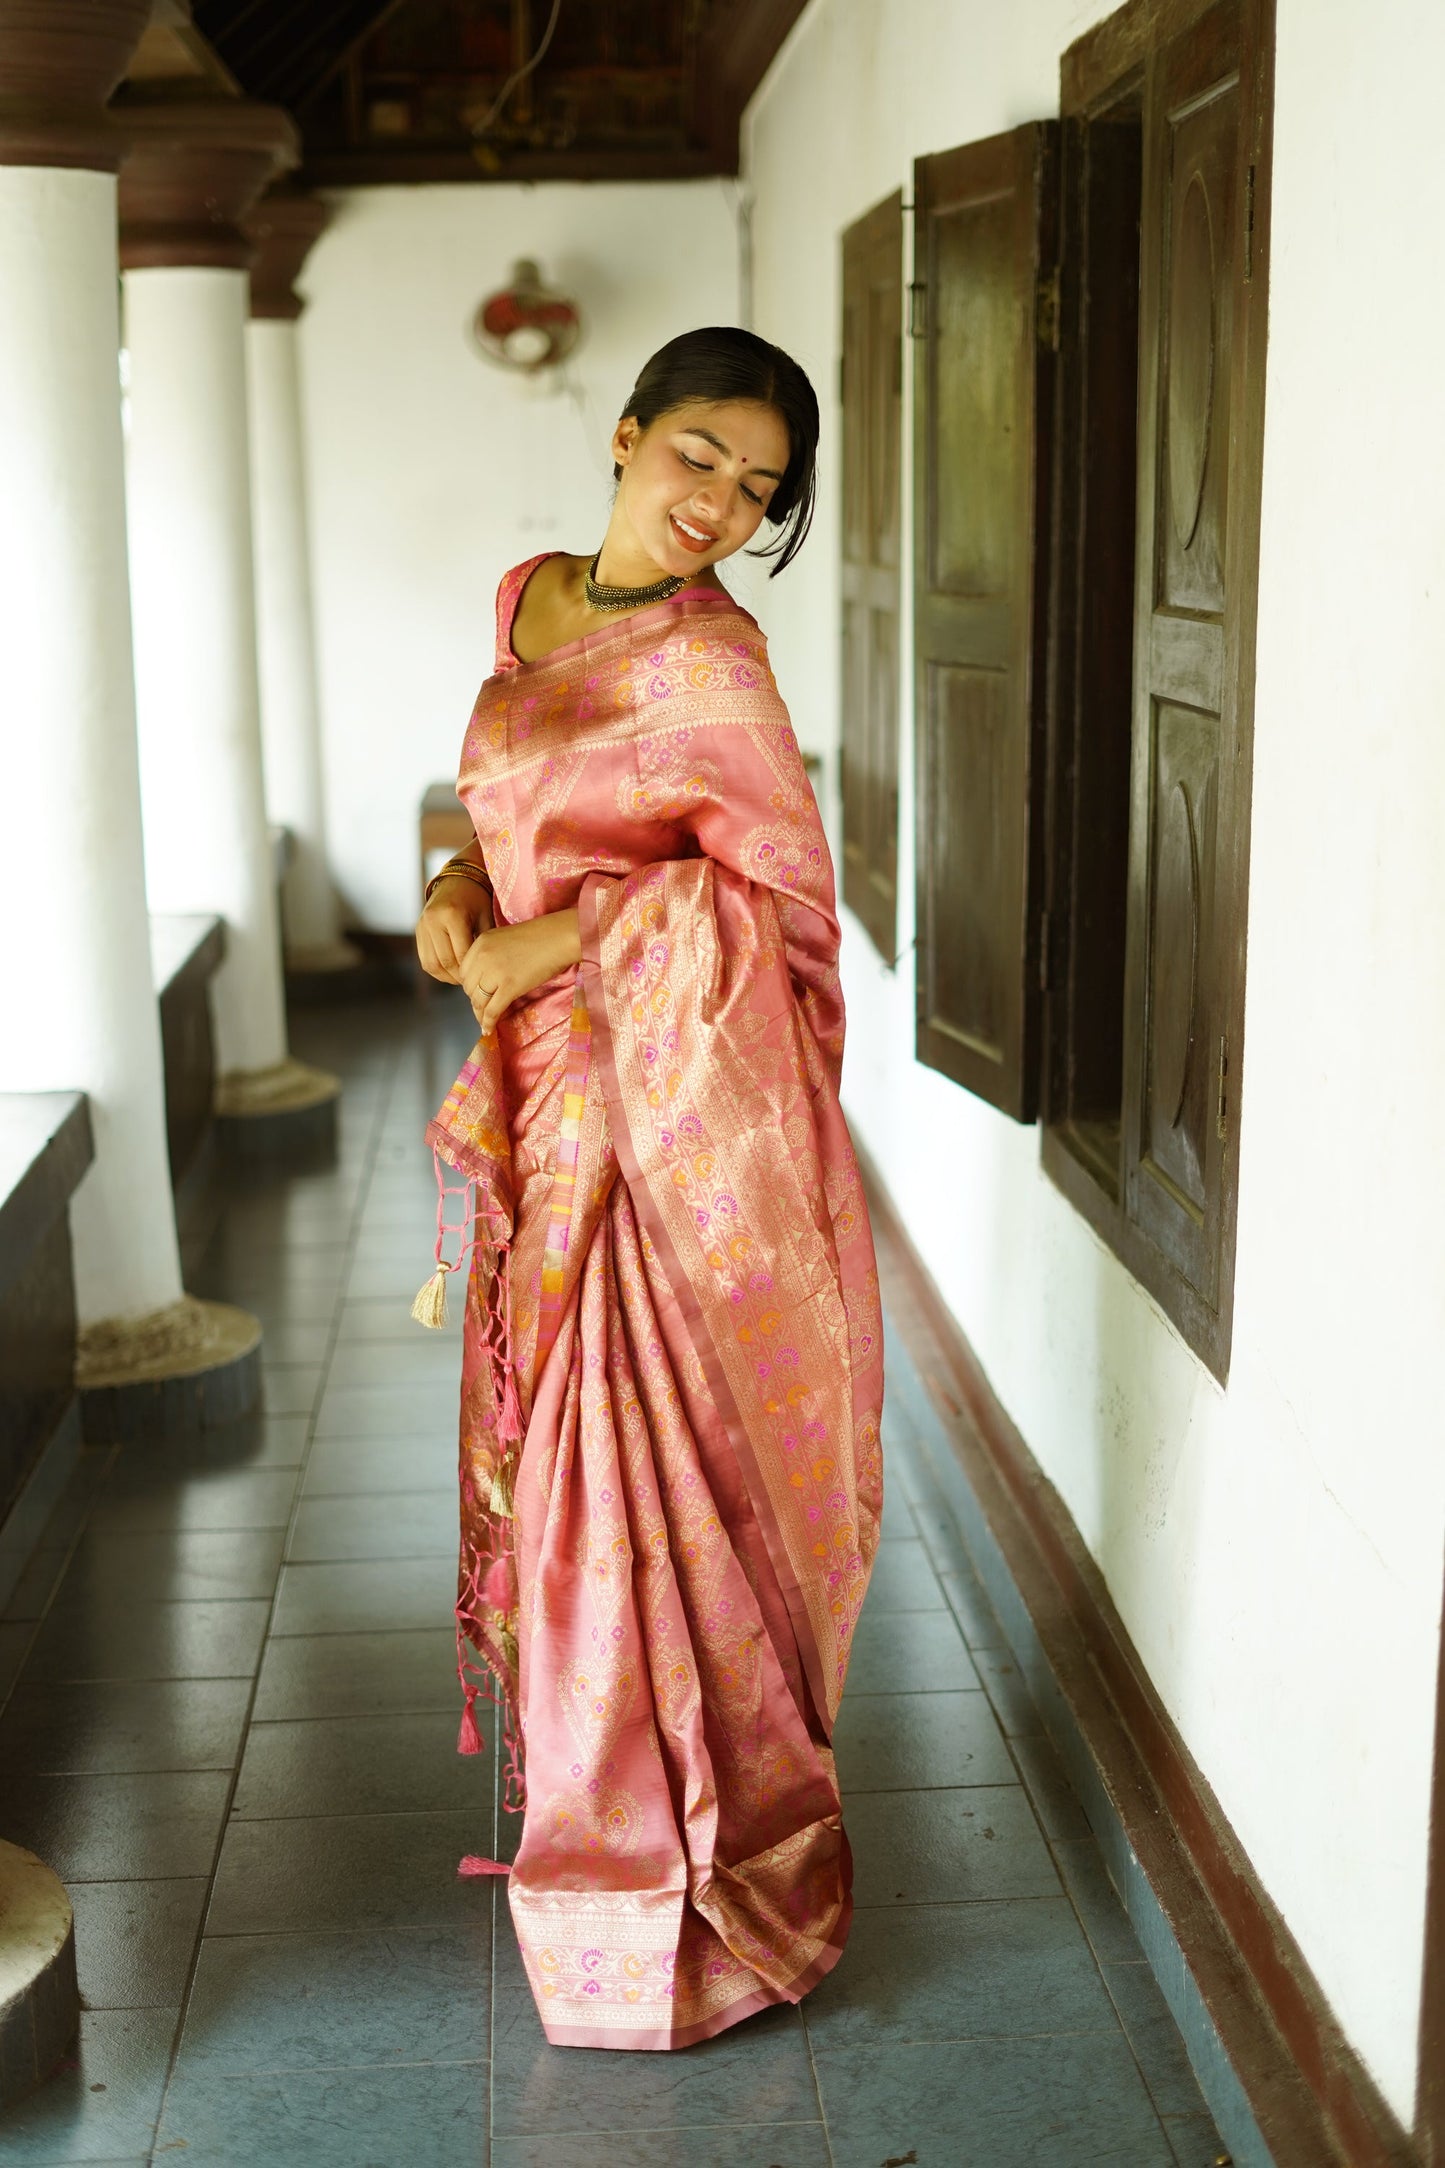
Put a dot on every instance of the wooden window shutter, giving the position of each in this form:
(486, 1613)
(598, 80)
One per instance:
(1201, 393)
(872, 397)
(985, 311)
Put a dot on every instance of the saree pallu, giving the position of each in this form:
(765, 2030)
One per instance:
(671, 1475)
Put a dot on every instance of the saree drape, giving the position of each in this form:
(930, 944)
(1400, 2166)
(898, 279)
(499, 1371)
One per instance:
(671, 1476)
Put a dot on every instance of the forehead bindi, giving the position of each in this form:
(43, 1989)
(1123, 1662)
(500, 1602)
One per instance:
(722, 432)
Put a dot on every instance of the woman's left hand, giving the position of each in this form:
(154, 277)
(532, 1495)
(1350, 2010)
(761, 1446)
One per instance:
(507, 962)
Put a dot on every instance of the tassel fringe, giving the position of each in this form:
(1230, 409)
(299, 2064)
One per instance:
(474, 1864)
(430, 1307)
(469, 1738)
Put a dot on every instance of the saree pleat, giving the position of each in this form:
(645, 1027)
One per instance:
(670, 1471)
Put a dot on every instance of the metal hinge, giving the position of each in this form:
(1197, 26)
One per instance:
(1249, 225)
(1046, 319)
(918, 310)
(1221, 1110)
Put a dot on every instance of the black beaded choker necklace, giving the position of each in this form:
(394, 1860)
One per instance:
(627, 598)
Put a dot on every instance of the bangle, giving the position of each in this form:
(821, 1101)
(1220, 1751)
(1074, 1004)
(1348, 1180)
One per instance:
(457, 869)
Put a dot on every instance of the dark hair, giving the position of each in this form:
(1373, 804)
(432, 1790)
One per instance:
(720, 363)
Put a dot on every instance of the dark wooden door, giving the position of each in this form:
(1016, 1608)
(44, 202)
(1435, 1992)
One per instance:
(872, 388)
(986, 317)
(1194, 602)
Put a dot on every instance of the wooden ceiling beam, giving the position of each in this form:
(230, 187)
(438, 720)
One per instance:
(739, 45)
(398, 167)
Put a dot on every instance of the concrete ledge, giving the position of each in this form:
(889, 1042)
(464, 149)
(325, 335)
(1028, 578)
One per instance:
(45, 1149)
(21, 1530)
(39, 1998)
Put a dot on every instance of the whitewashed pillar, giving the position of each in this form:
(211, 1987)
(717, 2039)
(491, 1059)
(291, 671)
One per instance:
(79, 1011)
(284, 229)
(79, 1008)
(192, 171)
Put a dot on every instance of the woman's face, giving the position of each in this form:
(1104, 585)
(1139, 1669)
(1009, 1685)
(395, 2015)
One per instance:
(695, 485)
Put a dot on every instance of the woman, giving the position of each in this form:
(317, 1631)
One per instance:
(670, 1468)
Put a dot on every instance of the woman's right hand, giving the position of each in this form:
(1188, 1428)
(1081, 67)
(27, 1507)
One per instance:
(459, 910)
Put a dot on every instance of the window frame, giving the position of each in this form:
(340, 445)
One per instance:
(1095, 73)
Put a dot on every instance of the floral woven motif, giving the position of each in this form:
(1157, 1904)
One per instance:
(675, 1267)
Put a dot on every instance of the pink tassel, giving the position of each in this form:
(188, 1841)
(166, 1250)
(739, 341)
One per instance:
(510, 1423)
(473, 1865)
(469, 1738)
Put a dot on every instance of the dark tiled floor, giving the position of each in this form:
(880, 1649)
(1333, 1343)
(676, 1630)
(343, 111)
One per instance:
(230, 1725)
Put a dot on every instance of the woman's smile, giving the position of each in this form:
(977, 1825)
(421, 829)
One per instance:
(690, 535)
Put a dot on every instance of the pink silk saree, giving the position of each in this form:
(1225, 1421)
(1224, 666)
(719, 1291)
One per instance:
(671, 1477)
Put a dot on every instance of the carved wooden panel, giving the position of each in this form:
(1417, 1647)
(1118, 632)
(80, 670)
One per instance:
(1179, 1102)
(1200, 415)
(1202, 148)
(964, 959)
(985, 221)
(872, 426)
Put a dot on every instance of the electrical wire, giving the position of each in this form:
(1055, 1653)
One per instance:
(521, 74)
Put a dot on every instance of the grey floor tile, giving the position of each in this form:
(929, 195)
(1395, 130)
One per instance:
(730, 2145)
(135, 1639)
(363, 1596)
(354, 1467)
(947, 1847)
(956, 1972)
(431, 1358)
(1055, 1802)
(280, 1272)
(117, 1828)
(103, 2107)
(397, 1764)
(279, 1305)
(427, 2115)
(396, 1275)
(125, 1725)
(1155, 2039)
(360, 1675)
(256, 1441)
(296, 1343)
(231, 1498)
(1007, 1689)
(30, 1597)
(290, 1388)
(1081, 1864)
(967, 1599)
(241, 1237)
(15, 1640)
(188, 1566)
(410, 1524)
(1194, 2138)
(910, 1742)
(909, 1652)
(367, 1319)
(304, 2002)
(134, 1940)
(898, 1521)
(903, 1580)
(991, 2104)
(758, 2069)
(372, 1411)
(353, 1872)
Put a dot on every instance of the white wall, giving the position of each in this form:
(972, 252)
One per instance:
(1275, 1549)
(431, 471)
